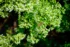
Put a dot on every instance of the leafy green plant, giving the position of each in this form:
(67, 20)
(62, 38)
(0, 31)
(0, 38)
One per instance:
(35, 17)
(65, 22)
(5, 41)
(39, 17)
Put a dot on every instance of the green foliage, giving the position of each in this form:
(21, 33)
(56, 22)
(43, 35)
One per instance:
(65, 23)
(39, 17)
(9, 41)
(4, 41)
(35, 16)
(67, 45)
